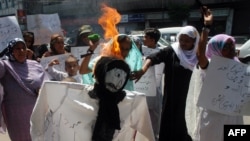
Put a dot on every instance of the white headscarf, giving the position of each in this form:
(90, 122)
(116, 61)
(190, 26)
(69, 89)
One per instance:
(187, 58)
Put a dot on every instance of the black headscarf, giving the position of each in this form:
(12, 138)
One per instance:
(108, 119)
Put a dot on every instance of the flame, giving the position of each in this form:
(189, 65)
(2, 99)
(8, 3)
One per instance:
(108, 21)
(110, 17)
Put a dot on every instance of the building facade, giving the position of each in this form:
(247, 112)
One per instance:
(229, 15)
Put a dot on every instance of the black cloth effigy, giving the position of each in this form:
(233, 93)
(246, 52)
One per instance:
(173, 124)
(108, 119)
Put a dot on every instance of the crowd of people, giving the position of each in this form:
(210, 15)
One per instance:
(174, 113)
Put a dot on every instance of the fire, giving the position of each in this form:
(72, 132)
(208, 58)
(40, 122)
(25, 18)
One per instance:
(108, 21)
(110, 17)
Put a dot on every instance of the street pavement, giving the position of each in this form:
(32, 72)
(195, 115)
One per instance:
(4, 137)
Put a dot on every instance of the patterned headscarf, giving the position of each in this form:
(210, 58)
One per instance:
(9, 49)
(216, 44)
(187, 58)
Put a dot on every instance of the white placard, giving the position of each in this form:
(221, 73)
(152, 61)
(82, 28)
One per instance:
(147, 83)
(9, 29)
(61, 58)
(152, 78)
(65, 112)
(226, 87)
(43, 26)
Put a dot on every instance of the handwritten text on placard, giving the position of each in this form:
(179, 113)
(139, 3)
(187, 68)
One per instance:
(9, 29)
(43, 26)
(226, 87)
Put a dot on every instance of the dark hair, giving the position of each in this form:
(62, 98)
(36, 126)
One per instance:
(29, 34)
(53, 40)
(122, 38)
(153, 33)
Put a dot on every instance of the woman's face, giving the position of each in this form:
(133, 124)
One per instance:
(28, 40)
(125, 47)
(186, 42)
(19, 52)
(59, 45)
(228, 50)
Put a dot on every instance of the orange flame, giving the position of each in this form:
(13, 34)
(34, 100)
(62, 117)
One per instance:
(108, 21)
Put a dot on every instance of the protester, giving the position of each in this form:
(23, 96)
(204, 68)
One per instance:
(204, 124)
(21, 79)
(138, 42)
(120, 47)
(179, 61)
(56, 46)
(32, 51)
(150, 39)
(71, 68)
(82, 35)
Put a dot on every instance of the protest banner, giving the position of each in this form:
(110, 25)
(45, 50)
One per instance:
(147, 83)
(226, 87)
(152, 78)
(43, 26)
(9, 29)
(65, 112)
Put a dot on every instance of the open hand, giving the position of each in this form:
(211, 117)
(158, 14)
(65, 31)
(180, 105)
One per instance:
(207, 15)
(136, 75)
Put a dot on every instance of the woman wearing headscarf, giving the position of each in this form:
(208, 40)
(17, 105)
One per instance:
(204, 124)
(179, 62)
(21, 79)
(120, 47)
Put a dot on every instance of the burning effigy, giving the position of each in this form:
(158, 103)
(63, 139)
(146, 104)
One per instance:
(108, 20)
